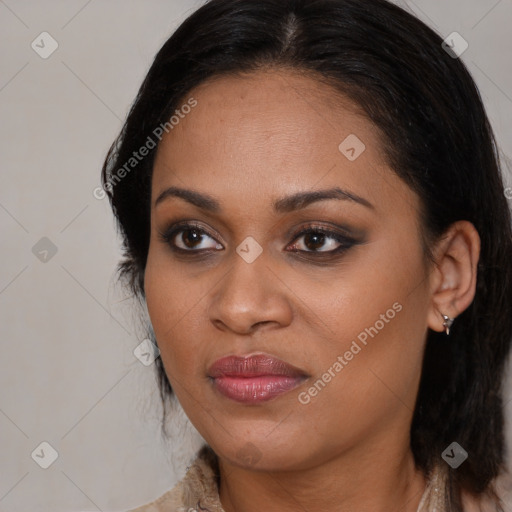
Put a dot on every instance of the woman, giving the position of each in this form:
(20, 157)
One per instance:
(312, 209)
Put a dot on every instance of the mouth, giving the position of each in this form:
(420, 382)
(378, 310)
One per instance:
(254, 379)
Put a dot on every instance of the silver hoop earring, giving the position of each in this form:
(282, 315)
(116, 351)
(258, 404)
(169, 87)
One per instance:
(448, 322)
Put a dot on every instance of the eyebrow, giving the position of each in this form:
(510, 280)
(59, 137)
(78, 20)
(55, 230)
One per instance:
(283, 205)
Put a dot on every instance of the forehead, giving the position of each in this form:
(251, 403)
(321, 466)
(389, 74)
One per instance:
(271, 132)
(276, 104)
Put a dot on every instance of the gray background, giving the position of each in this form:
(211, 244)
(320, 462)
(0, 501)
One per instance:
(68, 375)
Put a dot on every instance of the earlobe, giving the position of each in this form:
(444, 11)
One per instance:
(453, 281)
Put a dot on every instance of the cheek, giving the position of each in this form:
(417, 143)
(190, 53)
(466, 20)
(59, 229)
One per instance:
(365, 288)
(177, 310)
(167, 305)
(369, 374)
(374, 317)
(167, 299)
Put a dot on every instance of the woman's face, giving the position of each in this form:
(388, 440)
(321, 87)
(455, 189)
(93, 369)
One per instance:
(285, 349)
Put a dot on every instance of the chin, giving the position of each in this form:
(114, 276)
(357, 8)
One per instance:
(260, 454)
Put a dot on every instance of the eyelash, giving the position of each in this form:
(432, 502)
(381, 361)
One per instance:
(345, 242)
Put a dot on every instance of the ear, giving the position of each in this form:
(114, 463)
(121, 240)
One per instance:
(453, 279)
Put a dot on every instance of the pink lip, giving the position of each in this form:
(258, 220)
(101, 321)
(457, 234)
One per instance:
(254, 379)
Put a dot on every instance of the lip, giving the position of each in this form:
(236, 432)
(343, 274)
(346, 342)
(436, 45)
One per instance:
(254, 378)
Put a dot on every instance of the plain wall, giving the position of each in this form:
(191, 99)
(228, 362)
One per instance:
(68, 375)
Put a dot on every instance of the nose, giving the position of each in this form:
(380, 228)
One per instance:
(250, 295)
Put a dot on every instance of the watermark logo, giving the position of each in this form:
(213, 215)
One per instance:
(455, 45)
(146, 352)
(352, 147)
(342, 361)
(44, 455)
(44, 45)
(44, 250)
(139, 155)
(249, 454)
(249, 249)
(454, 455)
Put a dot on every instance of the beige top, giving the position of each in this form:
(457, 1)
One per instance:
(198, 491)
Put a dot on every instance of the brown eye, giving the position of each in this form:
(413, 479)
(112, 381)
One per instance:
(314, 241)
(321, 241)
(189, 238)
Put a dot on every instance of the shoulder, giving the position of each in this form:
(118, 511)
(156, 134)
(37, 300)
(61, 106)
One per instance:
(199, 488)
(170, 501)
(502, 487)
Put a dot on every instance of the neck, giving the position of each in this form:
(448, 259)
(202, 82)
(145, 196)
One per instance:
(350, 482)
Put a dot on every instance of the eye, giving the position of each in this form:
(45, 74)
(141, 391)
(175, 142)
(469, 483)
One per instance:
(189, 237)
(321, 240)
